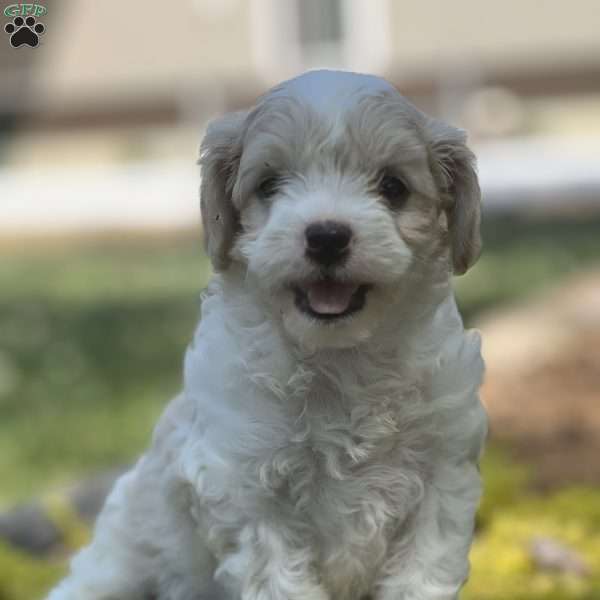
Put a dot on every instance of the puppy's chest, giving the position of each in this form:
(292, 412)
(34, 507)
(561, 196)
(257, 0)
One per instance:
(343, 464)
(340, 470)
(351, 472)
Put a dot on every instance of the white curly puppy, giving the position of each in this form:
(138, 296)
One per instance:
(325, 443)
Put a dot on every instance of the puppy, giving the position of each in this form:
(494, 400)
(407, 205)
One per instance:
(325, 443)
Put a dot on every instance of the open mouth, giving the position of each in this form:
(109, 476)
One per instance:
(328, 299)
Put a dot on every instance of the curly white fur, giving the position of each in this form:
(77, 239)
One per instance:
(311, 460)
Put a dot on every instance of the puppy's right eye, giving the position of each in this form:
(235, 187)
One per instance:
(268, 187)
(394, 190)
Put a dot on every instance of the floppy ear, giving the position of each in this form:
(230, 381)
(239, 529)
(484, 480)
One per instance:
(220, 153)
(454, 167)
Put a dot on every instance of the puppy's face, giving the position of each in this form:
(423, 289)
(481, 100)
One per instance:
(330, 194)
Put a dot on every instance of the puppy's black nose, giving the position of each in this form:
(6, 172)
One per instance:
(327, 242)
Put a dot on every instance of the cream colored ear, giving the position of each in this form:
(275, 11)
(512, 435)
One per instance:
(220, 153)
(454, 166)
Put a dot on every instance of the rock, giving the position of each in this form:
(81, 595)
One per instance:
(88, 496)
(29, 528)
(551, 555)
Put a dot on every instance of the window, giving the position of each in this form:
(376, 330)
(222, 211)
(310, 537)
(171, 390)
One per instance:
(320, 31)
(290, 36)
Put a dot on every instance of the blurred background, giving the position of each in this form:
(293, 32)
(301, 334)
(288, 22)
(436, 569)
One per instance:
(101, 261)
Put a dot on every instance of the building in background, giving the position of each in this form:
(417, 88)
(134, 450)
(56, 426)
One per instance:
(115, 80)
(115, 84)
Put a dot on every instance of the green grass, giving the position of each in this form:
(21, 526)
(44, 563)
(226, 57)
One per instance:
(522, 257)
(25, 578)
(502, 566)
(91, 345)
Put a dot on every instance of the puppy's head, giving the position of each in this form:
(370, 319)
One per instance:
(339, 197)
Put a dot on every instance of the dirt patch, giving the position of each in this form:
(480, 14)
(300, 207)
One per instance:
(542, 387)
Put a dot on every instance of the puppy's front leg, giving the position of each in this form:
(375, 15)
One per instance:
(430, 560)
(270, 564)
(114, 566)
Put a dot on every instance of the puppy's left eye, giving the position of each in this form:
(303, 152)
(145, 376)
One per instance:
(268, 187)
(394, 190)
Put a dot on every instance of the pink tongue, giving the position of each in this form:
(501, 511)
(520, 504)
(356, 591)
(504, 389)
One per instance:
(330, 297)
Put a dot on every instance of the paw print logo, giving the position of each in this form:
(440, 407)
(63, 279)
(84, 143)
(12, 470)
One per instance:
(24, 31)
